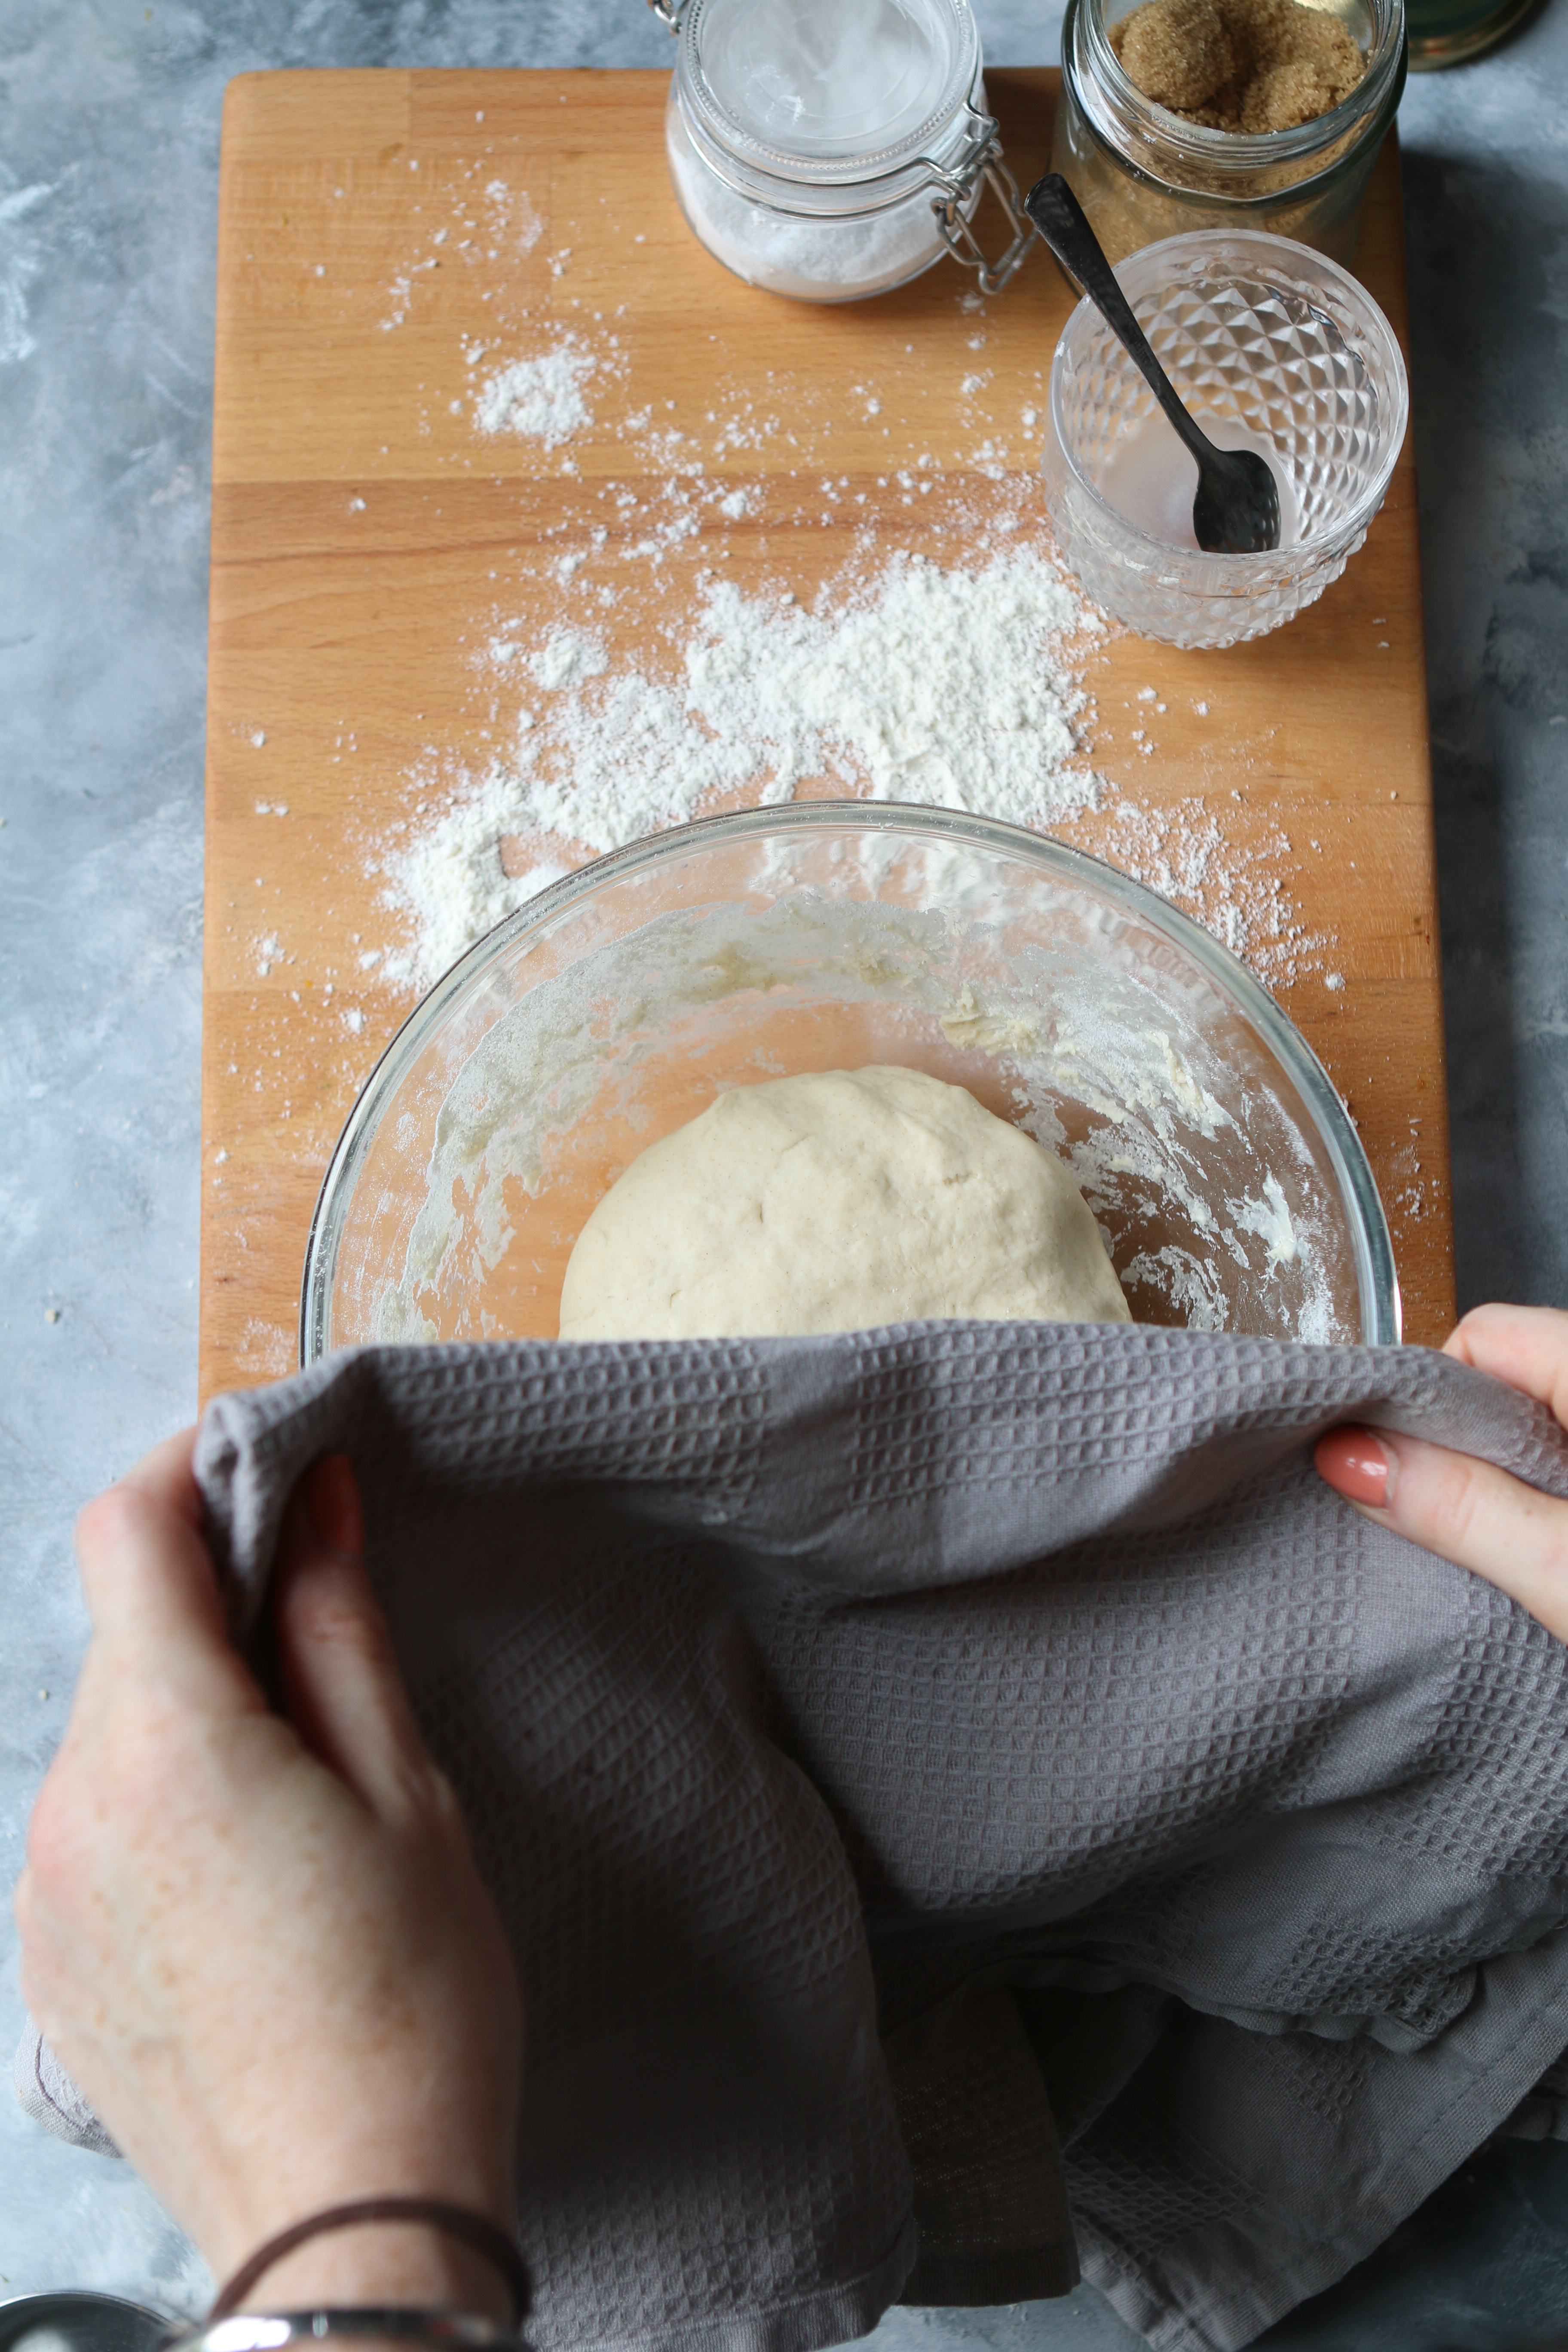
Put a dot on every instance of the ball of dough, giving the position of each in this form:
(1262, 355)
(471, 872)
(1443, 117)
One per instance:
(833, 1202)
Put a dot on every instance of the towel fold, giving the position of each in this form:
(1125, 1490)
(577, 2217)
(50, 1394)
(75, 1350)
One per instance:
(957, 1794)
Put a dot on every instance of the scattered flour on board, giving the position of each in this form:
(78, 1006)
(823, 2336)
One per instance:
(451, 882)
(1235, 889)
(955, 689)
(500, 223)
(540, 396)
(508, 218)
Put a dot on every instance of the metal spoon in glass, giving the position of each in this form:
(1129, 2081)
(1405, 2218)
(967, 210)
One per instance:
(1237, 510)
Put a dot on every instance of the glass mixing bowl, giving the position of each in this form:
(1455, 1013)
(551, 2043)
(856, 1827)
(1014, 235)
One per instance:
(1210, 1143)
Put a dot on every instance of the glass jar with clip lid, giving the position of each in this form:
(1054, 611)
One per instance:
(834, 149)
(1143, 173)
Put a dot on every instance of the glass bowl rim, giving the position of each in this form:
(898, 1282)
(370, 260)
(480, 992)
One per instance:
(1239, 568)
(1376, 1278)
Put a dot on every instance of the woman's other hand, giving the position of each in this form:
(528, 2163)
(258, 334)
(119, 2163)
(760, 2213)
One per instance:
(1465, 1510)
(260, 1945)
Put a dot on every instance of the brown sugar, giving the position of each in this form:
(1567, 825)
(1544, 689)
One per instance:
(1239, 65)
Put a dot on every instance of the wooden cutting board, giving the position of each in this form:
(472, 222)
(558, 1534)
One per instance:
(374, 230)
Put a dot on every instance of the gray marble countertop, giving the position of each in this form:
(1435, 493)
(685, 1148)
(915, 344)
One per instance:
(109, 139)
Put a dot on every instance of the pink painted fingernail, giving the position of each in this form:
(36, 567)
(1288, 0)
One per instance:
(332, 1498)
(1357, 1465)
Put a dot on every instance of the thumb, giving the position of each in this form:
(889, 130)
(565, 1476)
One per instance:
(340, 1680)
(151, 1590)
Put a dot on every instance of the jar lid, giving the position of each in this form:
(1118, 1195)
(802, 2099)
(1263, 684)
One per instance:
(829, 91)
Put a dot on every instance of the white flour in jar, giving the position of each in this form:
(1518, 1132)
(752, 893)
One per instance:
(792, 254)
(838, 92)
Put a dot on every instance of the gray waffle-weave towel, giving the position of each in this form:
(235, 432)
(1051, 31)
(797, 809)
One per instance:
(927, 1772)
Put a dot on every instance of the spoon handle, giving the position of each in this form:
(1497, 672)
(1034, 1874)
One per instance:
(1061, 221)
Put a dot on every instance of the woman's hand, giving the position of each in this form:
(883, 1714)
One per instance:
(260, 1945)
(1463, 1509)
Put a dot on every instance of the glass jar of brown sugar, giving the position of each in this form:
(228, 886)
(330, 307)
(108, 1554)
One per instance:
(1143, 173)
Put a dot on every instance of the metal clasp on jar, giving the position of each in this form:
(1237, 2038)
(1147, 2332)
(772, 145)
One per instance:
(981, 160)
